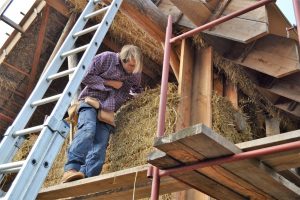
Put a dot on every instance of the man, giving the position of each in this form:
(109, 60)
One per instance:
(107, 85)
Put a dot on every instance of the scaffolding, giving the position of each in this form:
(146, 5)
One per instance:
(156, 173)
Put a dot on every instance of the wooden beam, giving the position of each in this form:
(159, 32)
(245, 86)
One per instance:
(288, 87)
(38, 50)
(116, 185)
(6, 118)
(231, 93)
(278, 23)
(245, 28)
(185, 84)
(202, 87)
(195, 10)
(147, 16)
(16, 68)
(219, 10)
(279, 161)
(286, 107)
(10, 101)
(60, 6)
(64, 34)
(272, 126)
(273, 55)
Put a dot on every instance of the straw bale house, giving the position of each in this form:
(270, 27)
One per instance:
(240, 78)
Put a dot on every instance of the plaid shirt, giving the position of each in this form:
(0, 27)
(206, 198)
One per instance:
(107, 66)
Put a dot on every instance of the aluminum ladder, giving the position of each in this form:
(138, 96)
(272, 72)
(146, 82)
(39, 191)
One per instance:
(33, 171)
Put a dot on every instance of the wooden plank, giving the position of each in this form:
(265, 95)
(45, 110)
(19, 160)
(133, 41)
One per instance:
(273, 55)
(258, 14)
(218, 85)
(185, 91)
(231, 93)
(272, 126)
(278, 23)
(279, 161)
(195, 10)
(210, 145)
(185, 84)
(245, 28)
(288, 87)
(212, 4)
(194, 179)
(285, 106)
(186, 155)
(292, 176)
(116, 185)
(202, 87)
(241, 30)
(60, 6)
(16, 68)
(219, 10)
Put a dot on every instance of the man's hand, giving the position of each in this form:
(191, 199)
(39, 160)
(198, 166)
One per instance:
(115, 84)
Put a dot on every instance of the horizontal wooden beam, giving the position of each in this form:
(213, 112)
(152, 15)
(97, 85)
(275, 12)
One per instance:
(272, 55)
(116, 185)
(6, 118)
(16, 68)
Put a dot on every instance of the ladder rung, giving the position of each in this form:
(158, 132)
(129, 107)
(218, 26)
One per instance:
(12, 165)
(85, 31)
(12, 170)
(96, 1)
(46, 100)
(97, 12)
(61, 74)
(29, 130)
(73, 51)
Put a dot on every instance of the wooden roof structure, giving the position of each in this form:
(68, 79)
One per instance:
(257, 41)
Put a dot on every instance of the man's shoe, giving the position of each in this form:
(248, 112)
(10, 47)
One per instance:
(72, 175)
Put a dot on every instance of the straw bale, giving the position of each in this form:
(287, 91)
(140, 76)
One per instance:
(263, 106)
(224, 120)
(136, 129)
(6, 83)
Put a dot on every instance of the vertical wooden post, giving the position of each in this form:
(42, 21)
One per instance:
(202, 87)
(185, 85)
(195, 90)
(231, 93)
(272, 126)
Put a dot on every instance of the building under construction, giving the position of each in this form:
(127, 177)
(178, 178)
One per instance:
(218, 118)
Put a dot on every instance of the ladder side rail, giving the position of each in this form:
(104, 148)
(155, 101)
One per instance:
(9, 144)
(38, 163)
(25, 179)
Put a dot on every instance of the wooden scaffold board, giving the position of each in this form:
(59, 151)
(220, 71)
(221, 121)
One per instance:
(237, 180)
(124, 185)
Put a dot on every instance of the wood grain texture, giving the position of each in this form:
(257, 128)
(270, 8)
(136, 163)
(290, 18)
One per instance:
(117, 185)
(207, 144)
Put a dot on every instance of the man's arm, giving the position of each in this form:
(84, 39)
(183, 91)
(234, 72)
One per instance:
(93, 77)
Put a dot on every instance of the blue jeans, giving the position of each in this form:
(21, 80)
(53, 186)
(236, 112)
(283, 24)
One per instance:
(87, 151)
